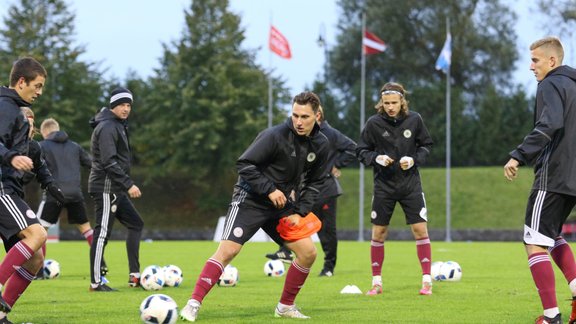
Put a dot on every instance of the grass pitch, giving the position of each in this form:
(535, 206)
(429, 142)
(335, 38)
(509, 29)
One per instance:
(496, 286)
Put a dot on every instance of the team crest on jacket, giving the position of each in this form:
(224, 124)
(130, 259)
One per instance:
(311, 157)
(30, 214)
(407, 133)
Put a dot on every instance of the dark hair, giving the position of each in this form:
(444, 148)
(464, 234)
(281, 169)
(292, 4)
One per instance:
(307, 97)
(27, 68)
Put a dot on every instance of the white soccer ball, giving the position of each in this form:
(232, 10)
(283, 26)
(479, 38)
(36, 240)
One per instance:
(435, 270)
(274, 268)
(172, 276)
(152, 278)
(450, 271)
(229, 277)
(158, 308)
(51, 269)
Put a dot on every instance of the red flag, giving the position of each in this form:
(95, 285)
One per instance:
(279, 44)
(372, 44)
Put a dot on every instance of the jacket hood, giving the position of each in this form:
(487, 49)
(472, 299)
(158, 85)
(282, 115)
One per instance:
(564, 70)
(58, 136)
(103, 114)
(11, 93)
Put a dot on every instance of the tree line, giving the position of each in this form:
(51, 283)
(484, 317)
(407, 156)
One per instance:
(207, 99)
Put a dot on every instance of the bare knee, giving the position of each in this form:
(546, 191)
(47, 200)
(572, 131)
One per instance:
(226, 252)
(379, 233)
(419, 230)
(82, 228)
(305, 252)
(34, 236)
(309, 254)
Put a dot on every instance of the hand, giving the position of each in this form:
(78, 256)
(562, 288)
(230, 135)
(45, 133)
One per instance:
(406, 162)
(277, 198)
(511, 169)
(384, 160)
(336, 172)
(293, 220)
(55, 192)
(22, 163)
(134, 192)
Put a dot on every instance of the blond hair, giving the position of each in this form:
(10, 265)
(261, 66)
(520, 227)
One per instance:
(48, 126)
(29, 114)
(550, 44)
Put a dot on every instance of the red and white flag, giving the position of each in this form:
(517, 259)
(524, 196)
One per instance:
(372, 44)
(279, 44)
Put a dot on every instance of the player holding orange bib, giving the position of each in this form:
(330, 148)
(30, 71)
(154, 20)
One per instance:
(290, 157)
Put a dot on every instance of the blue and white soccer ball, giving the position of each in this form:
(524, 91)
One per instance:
(229, 277)
(158, 308)
(51, 269)
(274, 268)
(450, 271)
(152, 278)
(172, 276)
(435, 270)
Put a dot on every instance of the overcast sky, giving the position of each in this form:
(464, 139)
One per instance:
(127, 34)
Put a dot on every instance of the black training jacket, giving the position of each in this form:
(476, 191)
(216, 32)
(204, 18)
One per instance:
(395, 137)
(110, 171)
(14, 129)
(65, 158)
(40, 172)
(341, 153)
(281, 159)
(551, 145)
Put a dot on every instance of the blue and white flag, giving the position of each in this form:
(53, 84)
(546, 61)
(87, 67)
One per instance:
(445, 59)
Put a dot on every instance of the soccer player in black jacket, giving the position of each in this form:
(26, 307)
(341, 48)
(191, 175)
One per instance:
(551, 148)
(342, 152)
(395, 142)
(288, 157)
(20, 229)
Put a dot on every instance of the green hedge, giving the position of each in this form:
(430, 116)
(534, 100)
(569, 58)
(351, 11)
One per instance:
(481, 198)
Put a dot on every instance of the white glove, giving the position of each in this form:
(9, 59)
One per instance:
(384, 160)
(406, 162)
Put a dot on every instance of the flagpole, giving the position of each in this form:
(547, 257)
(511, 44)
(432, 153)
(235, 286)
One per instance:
(448, 145)
(270, 82)
(362, 117)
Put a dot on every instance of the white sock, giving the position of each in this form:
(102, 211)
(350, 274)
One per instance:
(572, 286)
(376, 280)
(2, 315)
(551, 312)
(427, 278)
(282, 307)
(135, 274)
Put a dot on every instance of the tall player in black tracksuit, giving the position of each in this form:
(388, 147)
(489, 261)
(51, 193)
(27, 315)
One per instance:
(551, 148)
(284, 158)
(342, 153)
(395, 142)
(111, 187)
